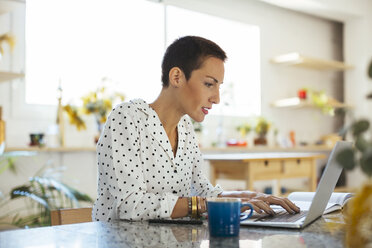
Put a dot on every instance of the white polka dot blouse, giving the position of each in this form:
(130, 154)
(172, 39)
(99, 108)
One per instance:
(139, 177)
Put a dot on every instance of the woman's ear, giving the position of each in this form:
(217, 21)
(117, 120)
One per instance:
(175, 77)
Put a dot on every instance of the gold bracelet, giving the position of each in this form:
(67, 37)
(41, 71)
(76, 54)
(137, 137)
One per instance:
(199, 207)
(194, 208)
(203, 205)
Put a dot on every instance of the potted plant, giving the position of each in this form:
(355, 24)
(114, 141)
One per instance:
(42, 192)
(98, 103)
(261, 129)
(245, 130)
(359, 211)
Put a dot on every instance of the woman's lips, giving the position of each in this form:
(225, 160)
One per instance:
(205, 111)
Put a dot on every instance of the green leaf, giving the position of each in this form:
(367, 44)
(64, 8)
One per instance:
(24, 188)
(346, 159)
(360, 127)
(366, 161)
(361, 144)
(78, 195)
(25, 193)
(50, 182)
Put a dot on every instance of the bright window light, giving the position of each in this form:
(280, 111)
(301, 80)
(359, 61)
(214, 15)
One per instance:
(80, 42)
(241, 91)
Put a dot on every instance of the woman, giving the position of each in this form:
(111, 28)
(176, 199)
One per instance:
(148, 158)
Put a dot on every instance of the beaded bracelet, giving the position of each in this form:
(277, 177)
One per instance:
(189, 206)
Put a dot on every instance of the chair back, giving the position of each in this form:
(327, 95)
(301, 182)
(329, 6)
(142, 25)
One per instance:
(71, 216)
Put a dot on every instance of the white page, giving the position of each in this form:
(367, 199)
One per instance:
(336, 197)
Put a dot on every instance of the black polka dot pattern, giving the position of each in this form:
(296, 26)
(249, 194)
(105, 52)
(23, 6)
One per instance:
(139, 177)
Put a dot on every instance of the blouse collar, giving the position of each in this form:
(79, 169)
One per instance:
(157, 129)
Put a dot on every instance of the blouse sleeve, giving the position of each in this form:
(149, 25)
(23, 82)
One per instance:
(200, 184)
(124, 174)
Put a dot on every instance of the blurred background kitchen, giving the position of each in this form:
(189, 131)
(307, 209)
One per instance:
(296, 75)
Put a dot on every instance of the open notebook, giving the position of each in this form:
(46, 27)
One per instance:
(336, 202)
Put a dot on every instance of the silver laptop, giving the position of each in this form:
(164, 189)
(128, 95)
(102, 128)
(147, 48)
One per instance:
(323, 193)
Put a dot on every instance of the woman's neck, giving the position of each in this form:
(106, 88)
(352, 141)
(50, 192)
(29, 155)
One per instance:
(168, 111)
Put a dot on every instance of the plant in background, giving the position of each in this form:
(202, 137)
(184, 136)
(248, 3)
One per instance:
(244, 129)
(98, 103)
(261, 128)
(362, 154)
(42, 192)
(358, 216)
(6, 38)
(320, 100)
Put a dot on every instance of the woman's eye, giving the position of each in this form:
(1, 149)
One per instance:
(208, 85)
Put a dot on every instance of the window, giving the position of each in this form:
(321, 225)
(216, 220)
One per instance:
(78, 43)
(241, 90)
(81, 42)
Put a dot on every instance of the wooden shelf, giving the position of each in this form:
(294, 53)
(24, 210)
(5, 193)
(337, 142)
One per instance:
(10, 5)
(296, 59)
(6, 76)
(295, 102)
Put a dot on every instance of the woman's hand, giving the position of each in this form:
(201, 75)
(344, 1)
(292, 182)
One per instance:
(261, 202)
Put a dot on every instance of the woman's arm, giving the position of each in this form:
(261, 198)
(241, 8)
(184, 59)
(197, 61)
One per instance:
(181, 209)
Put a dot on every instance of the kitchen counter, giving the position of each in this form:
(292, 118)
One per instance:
(261, 149)
(143, 234)
(204, 150)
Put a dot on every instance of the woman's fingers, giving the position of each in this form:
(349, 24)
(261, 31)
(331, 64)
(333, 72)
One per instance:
(289, 206)
(260, 206)
(255, 208)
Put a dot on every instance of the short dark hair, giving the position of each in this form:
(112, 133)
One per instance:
(188, 53)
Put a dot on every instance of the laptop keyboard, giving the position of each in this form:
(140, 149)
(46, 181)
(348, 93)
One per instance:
(282, 216)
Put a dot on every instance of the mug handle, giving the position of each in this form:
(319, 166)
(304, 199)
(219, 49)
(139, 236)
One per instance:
(246, 216)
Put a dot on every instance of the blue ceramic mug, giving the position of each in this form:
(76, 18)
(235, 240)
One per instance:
(224, 216)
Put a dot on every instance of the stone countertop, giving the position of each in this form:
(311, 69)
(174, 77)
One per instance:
(143, 234)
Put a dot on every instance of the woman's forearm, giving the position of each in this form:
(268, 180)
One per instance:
(238, 194)
(181, 209)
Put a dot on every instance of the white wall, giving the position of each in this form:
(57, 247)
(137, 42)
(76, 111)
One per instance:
(284, 31)
(281, 31)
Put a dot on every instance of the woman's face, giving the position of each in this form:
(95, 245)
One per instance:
(202, 90)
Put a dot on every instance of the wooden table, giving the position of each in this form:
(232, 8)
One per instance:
(252, 167)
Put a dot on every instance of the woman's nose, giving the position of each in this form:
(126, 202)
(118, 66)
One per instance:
(215, 99)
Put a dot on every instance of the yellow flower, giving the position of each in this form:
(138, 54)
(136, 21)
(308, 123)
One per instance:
(244, 129)
(97, 103)
(74, 117)
(8, 38)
